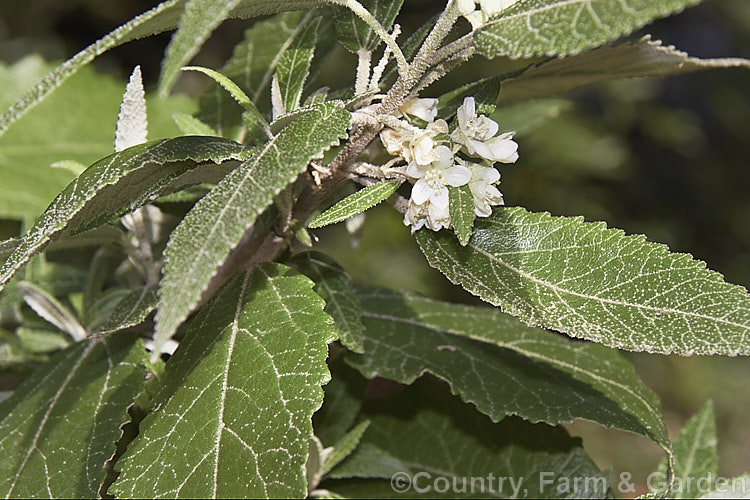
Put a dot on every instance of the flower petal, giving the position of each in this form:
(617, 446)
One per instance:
(502, 150)
(439, 197)
(457, 175)
(414, 171)
(421, 192)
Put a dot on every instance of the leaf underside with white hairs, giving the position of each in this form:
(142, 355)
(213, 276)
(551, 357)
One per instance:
(564, 27)
(356, 203)
(60, 427)
(247, 429)
(595, 283)
(477, 350)
(132, 123)
(642, 58)
(216, 224)
(120, 183)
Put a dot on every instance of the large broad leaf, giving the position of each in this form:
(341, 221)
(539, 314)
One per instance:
(503, 367)
(562, 27)
(644, 57)
(215, 225)
(60, 427)
(355, 34)
(335, 286)
(233, 417)
(446, 442)
(591, 282)
(695, 457)
(77, 123)
(121, 183)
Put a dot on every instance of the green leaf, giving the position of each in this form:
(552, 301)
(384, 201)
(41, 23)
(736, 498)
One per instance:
(199, 20)
(76, 124)
(462, 212)
(344, 447)
(120, 183)
(526, 117)
(235, 91)
(215, 225)
(737, 487)
(49, 309)
(41, 341)
(369, 462)
(695, 455)
(357, 203)
(591, 282)
(238, 394)
(161, 18)
(60, 427)
(478, 350)
(355, 34)
(564, 27)
(441, 437)
(131, 310)
(335, 286)
(485, 93)
(344, 395)
(294, 66)
(641, 58)
(190, 125)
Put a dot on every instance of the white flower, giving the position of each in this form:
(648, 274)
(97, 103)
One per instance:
(424, 109)
(412, 143)
(486, 195)
(429, 197)
(477, 135)
(487, 10)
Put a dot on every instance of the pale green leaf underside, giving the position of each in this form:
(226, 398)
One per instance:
(335, 286)
(60, 427)
(462, 212)
(591, 282)
(695, 455)
(357, 203)
(503, 367)
(190, 125)
(121, 183)
(369, 462)
(238, 396)
(426, 428)
(217, 222)
(344, 447)
(564, 27)
(642, 58)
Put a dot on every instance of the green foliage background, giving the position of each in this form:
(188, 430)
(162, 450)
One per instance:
(663, 157)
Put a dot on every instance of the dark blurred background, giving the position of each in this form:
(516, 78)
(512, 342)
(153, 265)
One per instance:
(667, 158)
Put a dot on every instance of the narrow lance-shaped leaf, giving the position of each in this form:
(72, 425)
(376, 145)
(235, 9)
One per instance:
(441, 437)
(334, 285)
(462, 212)
(479, 350)
(130, 311)
(190, 125)
(591, 282)
(355, 34)
(49, 309)
(217, 222)
(294, 66)
(695, 456)
(352, 205)
(60, 427)
(642, 58)
(132, 123)
(235, 91)
(563, 27)
(120, 183)
(240, 392)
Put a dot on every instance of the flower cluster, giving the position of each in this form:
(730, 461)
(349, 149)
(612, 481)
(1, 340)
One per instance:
(487, 9)
(436, 159)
